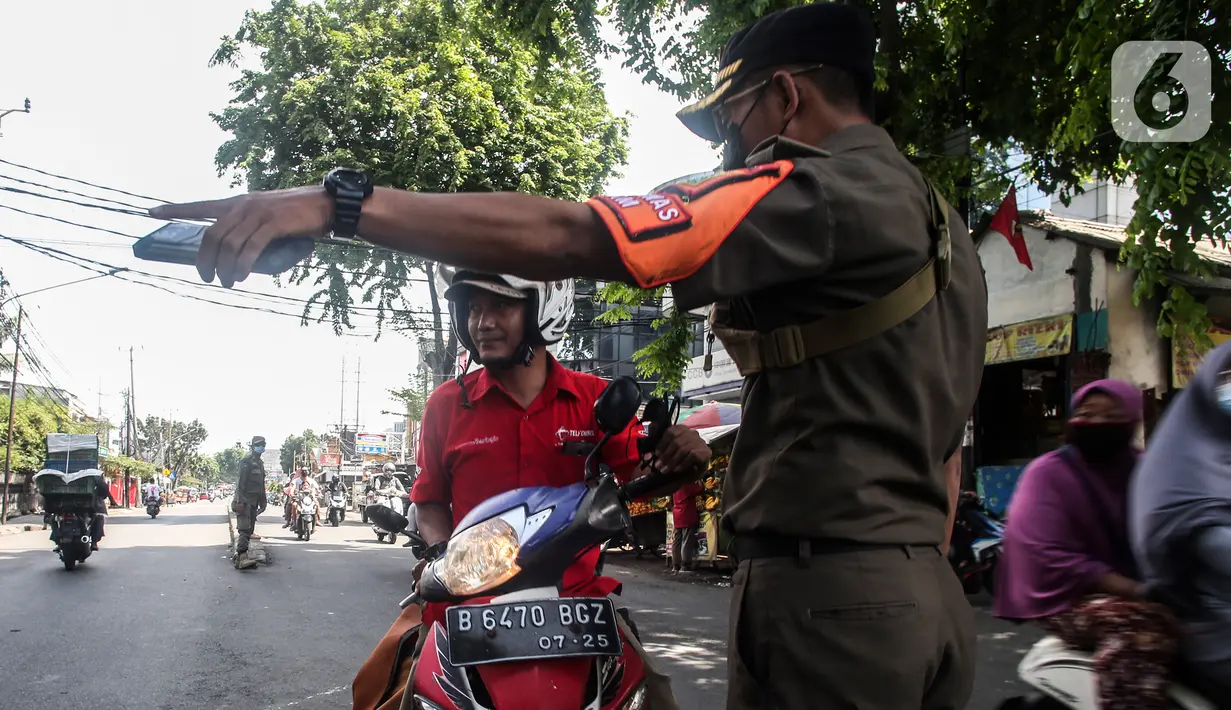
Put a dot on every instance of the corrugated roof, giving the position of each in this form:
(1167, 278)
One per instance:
(1109, 236)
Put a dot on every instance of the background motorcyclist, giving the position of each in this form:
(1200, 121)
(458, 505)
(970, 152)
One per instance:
(387, 483)
(1180, 523)
(299, 484)
(1067, 563)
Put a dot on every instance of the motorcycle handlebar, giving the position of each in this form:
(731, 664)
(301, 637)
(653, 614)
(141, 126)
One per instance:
(639, 487)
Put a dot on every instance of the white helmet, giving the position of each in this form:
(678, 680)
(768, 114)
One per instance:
(550, 302)
(389, 468)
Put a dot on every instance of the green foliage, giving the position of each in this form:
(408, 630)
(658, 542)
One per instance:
(424, 95)
(141, 470)
(206, 469)
(168, 443)
(297, 448)
(1030, 77)
(33, 420)
(228, 462)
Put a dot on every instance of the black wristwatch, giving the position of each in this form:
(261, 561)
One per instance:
(349, 189)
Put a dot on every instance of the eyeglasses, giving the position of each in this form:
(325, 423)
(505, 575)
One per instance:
(722, 112)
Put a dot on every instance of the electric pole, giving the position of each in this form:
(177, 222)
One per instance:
(132, 419)
(357, 366)
(8, 443)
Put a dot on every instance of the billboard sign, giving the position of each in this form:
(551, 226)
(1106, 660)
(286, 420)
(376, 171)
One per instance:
(371, 444)
(331, 460)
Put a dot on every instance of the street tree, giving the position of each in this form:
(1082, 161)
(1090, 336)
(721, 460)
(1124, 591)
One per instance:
(33, 420)
(297, 447)
(424, 95)
(228, 462)
(961, 85)
(206, 469)
(168, 443)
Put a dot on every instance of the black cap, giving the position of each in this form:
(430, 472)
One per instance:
(824, 33)
(258, 441)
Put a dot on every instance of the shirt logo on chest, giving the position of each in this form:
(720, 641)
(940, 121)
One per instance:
(562, 433)
(480, 441)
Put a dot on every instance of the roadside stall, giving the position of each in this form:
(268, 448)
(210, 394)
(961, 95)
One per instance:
(712, 541)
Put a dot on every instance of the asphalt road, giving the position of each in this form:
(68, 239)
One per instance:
(159, 619)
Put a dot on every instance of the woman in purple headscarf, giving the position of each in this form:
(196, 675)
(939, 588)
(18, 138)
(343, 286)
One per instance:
(1067, 563)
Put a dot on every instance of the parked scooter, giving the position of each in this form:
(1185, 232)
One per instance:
(976, 544)
(305, 516)
(337, 507)
(385, 499)
(1065, 680)
(511, 636)
(153, 506)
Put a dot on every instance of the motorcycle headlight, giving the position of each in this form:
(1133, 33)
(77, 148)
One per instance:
(483, 557)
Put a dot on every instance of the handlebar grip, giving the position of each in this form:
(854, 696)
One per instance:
(639, 487)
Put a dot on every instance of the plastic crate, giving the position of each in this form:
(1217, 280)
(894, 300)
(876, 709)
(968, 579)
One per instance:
(54, 485)
(61, 502)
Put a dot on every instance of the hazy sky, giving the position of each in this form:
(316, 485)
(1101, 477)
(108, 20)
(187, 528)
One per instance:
(121, 95)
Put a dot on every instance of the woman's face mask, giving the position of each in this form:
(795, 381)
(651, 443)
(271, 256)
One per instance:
(1100, 442)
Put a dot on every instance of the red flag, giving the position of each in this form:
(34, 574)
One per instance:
(1006, 222)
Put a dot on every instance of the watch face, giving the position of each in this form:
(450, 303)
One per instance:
(351, 180)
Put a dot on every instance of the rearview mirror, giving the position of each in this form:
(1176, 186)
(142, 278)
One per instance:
(617, 405)
(387, 518)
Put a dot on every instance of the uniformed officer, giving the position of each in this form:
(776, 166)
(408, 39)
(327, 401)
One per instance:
(848, 293)
(249, 500)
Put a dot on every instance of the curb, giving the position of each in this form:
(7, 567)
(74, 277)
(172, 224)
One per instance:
(256, 548)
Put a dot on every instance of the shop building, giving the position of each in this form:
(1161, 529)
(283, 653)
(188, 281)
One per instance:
(1051, 330)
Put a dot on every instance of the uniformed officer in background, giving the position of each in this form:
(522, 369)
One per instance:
(250, 500)
(851, 298)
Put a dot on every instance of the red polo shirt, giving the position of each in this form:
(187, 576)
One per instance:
(469, 455)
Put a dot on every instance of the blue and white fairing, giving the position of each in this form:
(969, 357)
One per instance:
(553, 527)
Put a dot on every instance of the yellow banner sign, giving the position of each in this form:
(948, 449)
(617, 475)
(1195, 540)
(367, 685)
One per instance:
(1030, 340)
(1186, 355)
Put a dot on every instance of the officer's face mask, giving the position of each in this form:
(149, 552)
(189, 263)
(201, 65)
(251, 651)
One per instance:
(734, 153)
(259, 449)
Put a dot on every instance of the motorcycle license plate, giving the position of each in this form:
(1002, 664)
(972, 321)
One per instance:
(529, 630)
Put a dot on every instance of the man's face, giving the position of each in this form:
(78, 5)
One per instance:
(496, 324)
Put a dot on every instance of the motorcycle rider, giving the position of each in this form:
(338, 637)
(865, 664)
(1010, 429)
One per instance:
(387, 483)
(152, 492)
(1180, 521)
(299, 484)
(523, 420)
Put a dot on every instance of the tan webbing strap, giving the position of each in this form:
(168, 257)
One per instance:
(791, 345)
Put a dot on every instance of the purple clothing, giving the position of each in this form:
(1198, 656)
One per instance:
(1064, 532)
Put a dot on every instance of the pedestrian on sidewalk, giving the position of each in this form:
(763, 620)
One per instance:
(685, 519)
(249, 501)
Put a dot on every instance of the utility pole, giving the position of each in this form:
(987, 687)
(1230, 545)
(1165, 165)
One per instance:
(8, 443)
(132, 418)
(342, 411)
(357, 381)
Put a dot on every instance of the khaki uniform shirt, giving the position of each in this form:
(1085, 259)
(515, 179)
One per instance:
(850, 445)
(250, 488)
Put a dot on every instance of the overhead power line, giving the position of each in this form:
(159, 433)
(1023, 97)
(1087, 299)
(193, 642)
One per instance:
(83, 182)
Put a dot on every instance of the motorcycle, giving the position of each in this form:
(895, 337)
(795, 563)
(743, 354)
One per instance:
(1065, 680)
(511, 635)
(305, 516)
(384, 498)
(337, 507)
(153, 506)
(69, 504)
(976, 544)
